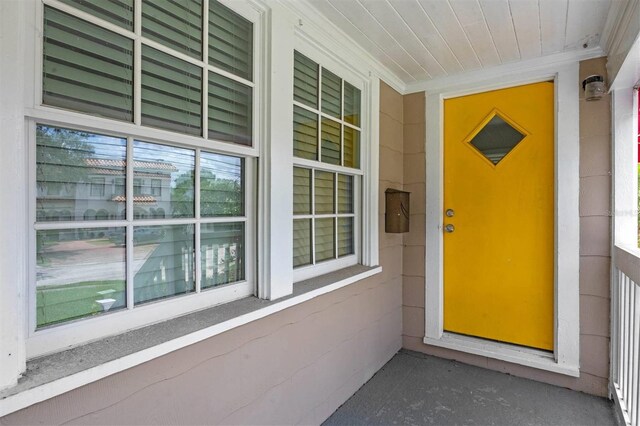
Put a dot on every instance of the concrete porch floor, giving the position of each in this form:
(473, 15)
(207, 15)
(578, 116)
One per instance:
(414, 388)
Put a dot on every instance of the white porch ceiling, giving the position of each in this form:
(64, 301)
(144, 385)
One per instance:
(420, 40)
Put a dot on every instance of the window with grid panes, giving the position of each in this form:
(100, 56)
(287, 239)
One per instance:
(184, 228)
(326, 172)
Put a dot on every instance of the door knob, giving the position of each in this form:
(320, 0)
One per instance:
(449, 228)
(450, 213)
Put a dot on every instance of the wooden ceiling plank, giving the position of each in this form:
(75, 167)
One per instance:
(553, 25)
(363, 21)
(359, 37)
(470, 17)
(449, 27)
(585, 22)
(387, 16)
(498, 17)
(526, 21)
(428, 34)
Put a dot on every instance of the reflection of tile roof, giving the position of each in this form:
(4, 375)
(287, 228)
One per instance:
(137, 199)
(104, 162)
(119, 172)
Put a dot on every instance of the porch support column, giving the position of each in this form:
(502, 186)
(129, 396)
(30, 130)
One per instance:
(13, 192)
(276, 173)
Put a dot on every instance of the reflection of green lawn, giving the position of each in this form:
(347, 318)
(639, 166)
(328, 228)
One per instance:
(69, 301)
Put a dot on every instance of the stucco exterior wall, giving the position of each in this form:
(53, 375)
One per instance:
(595, 260)
(293, 367)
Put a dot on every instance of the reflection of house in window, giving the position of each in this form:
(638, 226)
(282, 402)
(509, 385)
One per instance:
(156, 187)
(97, 187)
(102, 214)
(90, 214)
(118, 187)
(99, 192)
(137, 186)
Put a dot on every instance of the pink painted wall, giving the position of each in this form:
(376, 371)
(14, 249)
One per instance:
(296, 366)
(595, 222)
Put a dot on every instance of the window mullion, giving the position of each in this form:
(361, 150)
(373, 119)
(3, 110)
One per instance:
(342, 122)
(319, 113)
(335, 215)
(205, 69)
(129, 252)
(196, 197)
(313, 220)
(137, 63)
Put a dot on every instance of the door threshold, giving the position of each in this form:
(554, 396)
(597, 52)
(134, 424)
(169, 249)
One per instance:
(529, 357)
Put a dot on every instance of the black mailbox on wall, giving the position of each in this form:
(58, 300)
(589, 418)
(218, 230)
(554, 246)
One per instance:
(396, 217)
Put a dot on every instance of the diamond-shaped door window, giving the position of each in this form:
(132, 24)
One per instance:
(496, 139)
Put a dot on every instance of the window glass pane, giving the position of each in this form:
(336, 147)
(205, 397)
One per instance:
(351, 104)
(351, 147)
(325, 239)
(230, 106)
(174, 167)
(77, 175)
(230, 41)
(97, 187)
(119, 188)
(331, 93)
(496, 139)
(305, 133)
(345, 194)
(119, 12)
(86, 68)
(301, 191)
(345, 236)
(330, 141)
(163, 262)
(221, 185)
(301, 242)
(175, 24)
(222, 253)
(156, 187)
(79, 273)
(305, 80)
(324, 192)
(171, 93)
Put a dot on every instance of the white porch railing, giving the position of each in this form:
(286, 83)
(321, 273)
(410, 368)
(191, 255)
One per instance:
(625, 335)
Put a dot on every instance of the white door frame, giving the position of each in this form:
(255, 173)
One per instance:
(565, 358)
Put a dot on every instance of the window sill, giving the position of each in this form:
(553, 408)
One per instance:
(61, 372)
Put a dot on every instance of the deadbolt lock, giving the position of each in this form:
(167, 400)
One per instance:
(449, 228)
(450, 213)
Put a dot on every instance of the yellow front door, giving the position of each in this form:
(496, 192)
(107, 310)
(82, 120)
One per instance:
(499, 203)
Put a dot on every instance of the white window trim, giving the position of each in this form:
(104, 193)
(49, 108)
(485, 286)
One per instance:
(323, 267)
(277, 274)
(83, 330)
(565, 359)
(308, 46)
(72, 333)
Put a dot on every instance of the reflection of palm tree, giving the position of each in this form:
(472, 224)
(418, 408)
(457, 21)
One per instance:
(61, 156)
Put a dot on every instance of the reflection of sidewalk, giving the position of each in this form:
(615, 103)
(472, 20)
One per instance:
(80, 261)
(140, 256)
